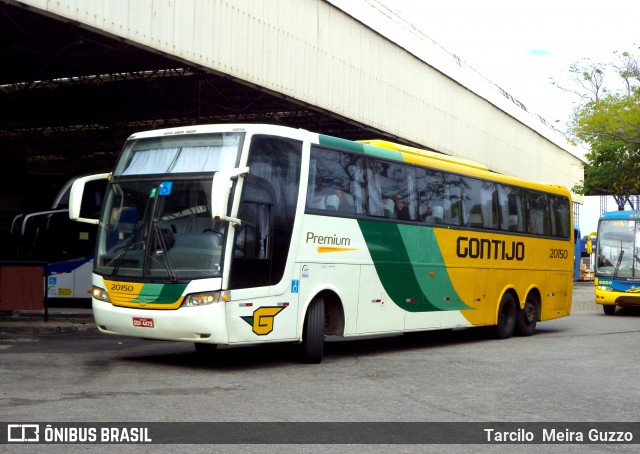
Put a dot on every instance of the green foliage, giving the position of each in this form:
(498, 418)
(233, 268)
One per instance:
(616, 116)
(609, 124)
(612, 168)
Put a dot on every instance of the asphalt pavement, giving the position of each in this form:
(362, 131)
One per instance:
(69, 319)
(56, 320)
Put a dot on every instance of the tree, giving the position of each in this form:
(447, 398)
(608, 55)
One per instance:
(611, 169)
(608, 122)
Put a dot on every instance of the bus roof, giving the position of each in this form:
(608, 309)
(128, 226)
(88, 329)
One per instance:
(621, 215)
(390, 150)
(426, 153)
(374, 147)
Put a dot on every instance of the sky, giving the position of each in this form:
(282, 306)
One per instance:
(523, 46)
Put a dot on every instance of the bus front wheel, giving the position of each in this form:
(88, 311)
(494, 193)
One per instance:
(609, 309)
(506, 317)
(312, 346)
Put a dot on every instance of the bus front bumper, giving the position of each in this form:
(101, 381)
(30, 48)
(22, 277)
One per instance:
(205, 324)
(616, 298)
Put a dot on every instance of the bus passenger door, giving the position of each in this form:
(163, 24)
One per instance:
(264, 303)
(259, 309)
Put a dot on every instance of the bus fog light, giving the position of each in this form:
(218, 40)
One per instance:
(203, 299)
(100, 294)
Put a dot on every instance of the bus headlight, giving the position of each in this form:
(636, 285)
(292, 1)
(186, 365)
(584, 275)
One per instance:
(203, 299)
(604, 288)
(100, 294)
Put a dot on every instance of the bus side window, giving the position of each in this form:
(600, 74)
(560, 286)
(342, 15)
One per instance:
(317, 201)
(512, 203)
(474, 218)
(334, 182)
(374, 191)
(537, 213)
(339, 200)
(387, 208)
(513, 222)
(356, 186)
(431, 195)
(559, 216)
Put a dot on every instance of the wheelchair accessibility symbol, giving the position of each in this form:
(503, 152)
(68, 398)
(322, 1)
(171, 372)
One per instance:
(165, 188)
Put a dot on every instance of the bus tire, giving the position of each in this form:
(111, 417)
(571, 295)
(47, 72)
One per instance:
(205, 351)
(609, 309)
(312, 346)
(506, 323)
(527, 318)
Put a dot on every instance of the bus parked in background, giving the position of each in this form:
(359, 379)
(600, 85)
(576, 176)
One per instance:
(577, 252)
(65, 246)
(617, 260)
(245, 234)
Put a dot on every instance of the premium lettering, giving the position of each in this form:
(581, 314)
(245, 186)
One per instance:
(482, 248)
(330, 240)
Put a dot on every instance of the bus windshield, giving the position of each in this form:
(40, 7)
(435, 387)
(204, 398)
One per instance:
(617, 250)
(159, 228)
(157, 221)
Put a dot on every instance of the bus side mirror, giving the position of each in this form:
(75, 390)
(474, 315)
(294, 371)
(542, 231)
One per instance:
(590, 242)
(220, 191)
(75, 197)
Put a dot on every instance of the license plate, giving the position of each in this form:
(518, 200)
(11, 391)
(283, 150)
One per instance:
(143, 322)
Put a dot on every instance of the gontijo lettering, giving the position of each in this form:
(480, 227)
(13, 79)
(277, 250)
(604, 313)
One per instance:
(482, 248)
(334, 240)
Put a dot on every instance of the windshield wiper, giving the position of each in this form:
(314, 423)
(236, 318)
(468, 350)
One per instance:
(618, 262)
(124, 248)
(160, 240)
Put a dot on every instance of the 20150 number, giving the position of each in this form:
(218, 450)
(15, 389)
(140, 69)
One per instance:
(558, 253)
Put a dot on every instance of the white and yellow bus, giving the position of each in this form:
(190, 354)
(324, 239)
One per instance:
(246, 234)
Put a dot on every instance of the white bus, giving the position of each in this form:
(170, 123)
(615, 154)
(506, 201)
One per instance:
(244, 234)
(66, 247)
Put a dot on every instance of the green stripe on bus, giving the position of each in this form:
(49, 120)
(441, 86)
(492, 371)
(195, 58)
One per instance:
(384, 153)
(342, 144)
(399, 253)
(160, 293)
(370, 150)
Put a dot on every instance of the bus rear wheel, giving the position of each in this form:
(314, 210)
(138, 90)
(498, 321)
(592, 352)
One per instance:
(527, 317)
(506, 317)
(312, 346)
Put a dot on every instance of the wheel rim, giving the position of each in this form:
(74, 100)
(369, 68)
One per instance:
(530, 312)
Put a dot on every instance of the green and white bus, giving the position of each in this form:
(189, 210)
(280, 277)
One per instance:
(245, 234)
